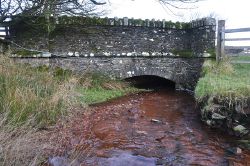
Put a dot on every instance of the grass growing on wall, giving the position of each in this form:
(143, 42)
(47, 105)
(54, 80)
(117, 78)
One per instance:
(25, 53)
(183, 53)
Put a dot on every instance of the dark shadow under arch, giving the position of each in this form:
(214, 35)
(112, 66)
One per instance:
(150, 82)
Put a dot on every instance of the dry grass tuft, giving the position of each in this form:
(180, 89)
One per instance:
(31, 100)
(23, 147)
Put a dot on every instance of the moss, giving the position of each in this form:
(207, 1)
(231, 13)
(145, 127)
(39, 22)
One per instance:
(78, 20)
(185, 25)
(139, 22)
(212, 52)
(25, 53)
(183, 53)
(95, 49)
(178, 25)
(169, 24)
(41, 23)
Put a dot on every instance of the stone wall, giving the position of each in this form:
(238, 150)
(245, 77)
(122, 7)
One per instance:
(184, 72)
(79, 36)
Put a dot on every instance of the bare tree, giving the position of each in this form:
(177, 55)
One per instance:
(7, 7)
(171, 2)
(48, 8)
(177, 4)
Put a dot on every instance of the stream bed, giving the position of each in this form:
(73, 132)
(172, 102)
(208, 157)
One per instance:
(151, 128)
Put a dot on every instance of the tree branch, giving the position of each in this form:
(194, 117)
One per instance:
(98, 3)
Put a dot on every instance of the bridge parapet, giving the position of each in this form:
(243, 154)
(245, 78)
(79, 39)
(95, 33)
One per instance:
(130, 22)
(88, 37)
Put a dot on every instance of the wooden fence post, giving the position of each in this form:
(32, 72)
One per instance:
(220, 51)
(7, 32)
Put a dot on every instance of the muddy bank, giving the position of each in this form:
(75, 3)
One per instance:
(150, 128)
(227, 115)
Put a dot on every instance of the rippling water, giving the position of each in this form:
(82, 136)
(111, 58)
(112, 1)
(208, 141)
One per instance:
(156, 128)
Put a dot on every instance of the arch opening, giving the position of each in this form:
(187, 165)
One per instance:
(150, 82)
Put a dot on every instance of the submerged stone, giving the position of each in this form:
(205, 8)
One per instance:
(240, 129)
(218, 116)
(234, 150)
(156, 121)
(208, 122)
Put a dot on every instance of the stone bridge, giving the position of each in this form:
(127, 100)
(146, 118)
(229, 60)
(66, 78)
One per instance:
(120, 48)
(184, 72)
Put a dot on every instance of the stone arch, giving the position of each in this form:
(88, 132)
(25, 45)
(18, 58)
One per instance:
(151, 82)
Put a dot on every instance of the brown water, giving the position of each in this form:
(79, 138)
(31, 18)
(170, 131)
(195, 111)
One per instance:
(153, 128)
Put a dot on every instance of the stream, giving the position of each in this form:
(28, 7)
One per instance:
(153, 128)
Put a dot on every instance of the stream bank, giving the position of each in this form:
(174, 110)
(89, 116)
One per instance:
(223, 96)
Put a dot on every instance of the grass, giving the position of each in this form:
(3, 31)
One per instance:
(25, 53)
(183, 53)
(97, 95)
(29, 96)
(224, 81)
(96, 88)
(39, 96)
(30, 99)
(224, 90)
(33, 99)
(241, 58)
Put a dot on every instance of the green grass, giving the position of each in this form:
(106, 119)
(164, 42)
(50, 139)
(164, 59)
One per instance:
(224, 81)
(25, 53)
(96, 88)
(36, 98)
(98, 95)
(33, 96)
(183, 53)
(241, 58)
(39, 96)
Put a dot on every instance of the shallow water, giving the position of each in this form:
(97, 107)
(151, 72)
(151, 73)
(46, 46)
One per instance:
(155, 128)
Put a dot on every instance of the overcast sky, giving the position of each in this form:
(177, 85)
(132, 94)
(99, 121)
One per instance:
(235, 12)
